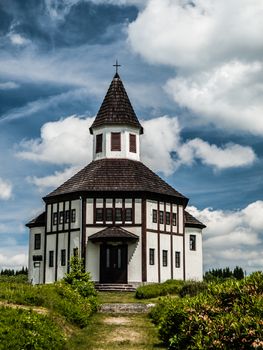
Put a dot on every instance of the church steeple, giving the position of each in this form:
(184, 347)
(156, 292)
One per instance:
(116, 108)
(116, 128)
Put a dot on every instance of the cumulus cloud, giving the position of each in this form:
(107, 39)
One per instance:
(198, 33)
(229, 156)
(165, 132)
(54, 180)
(217, 50)
(232, 237)
(68, 142)
(5, 189)
(168, 151)
(9, 260)
(228, 96)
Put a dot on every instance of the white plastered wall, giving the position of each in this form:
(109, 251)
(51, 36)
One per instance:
(89, 210)
(165, 244)
(135, 256)
(93, 254)
(178, 246)
(62, 244)
(40, 270)
(150, 205)
(152, 270)
(193, 258)
(51, 246)
(125, 142)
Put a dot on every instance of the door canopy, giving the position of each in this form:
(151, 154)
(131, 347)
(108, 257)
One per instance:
(114, 233)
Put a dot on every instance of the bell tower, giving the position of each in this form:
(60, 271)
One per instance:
(116, 129)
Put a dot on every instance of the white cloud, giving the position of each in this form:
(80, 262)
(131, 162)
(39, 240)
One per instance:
(217, 50)
(229, 156)
(165, 132)
(11, 260)
(66, 141)
(55, 180)
(9, 85)
(161, 137)
(18, 39)
(5, 189)
(232, 237)
(199, 33)
(228, 96)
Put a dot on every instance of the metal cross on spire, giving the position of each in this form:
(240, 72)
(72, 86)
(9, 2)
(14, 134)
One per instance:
(117, 65)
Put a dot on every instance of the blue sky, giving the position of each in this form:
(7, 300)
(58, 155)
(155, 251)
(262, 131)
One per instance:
(194, 73)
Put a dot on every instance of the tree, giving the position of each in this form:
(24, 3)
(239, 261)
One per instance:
(238, 273)
(78, 279)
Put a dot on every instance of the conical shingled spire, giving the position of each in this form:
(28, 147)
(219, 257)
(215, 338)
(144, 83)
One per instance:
(116, 108)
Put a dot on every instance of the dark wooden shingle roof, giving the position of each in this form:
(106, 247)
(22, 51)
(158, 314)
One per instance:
(116, 175)
(38, 221)
(113, 233)
(191, 221)
(116, 108)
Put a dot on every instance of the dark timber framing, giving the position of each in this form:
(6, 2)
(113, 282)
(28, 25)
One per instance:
(83, 231)
(144, 240)
(158, 242)
(45, 245)
(69, 236)
(171, 239)
(183, 244)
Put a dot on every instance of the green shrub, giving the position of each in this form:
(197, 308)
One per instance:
(21, 293)
(16, 278)
(192, 288)
(159, 289)
(58, 297)
(69, 303)
(78, 279)
(22, 329)
(228, 316)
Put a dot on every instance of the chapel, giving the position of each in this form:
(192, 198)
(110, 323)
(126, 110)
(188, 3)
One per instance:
(127, 224)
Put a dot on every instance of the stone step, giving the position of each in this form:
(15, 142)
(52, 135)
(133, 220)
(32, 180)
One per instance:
(126, 308)
(116, 287)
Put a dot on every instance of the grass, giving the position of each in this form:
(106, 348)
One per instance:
(24, 329)
(112, 331)
(123, 298)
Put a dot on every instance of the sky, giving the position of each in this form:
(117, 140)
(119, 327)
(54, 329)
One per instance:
(194, 73)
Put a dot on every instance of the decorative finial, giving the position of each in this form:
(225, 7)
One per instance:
(116, 65)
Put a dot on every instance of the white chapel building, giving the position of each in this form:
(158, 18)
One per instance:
(127, 224)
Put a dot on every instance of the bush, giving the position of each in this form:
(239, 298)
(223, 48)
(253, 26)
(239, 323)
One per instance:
(228, 316)
(69, 303)
(22, 329)
(192, 288)
(159, 289)
(58, 297)
(20, 278)
(78, 279)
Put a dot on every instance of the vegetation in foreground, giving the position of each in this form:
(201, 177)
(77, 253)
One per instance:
(117, 331)
(170, 287)
(24, 329)
(227, 316)
(72, 301)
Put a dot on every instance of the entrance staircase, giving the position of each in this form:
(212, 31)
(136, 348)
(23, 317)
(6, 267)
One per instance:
(114, 287)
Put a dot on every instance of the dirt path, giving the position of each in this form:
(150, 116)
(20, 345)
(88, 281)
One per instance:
(39, 310)
(120, 331)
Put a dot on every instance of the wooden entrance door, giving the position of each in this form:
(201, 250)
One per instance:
(113, 263)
